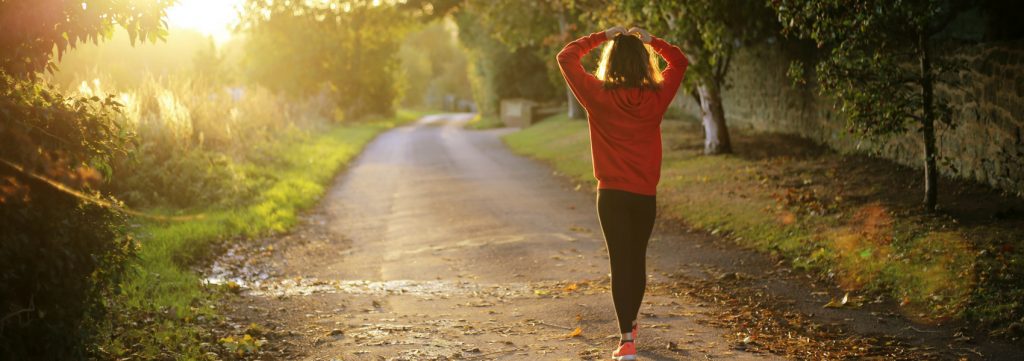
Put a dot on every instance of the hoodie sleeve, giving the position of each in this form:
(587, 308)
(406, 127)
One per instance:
(583, 84)
(673, 74)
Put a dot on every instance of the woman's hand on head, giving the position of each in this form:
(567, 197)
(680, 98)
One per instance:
(613, 31)
(643, 34)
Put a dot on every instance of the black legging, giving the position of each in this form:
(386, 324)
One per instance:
(627, 220)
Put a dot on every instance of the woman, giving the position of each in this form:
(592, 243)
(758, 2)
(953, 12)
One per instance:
(625, 103)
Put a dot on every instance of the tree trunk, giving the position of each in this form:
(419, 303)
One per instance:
(575, 110)
(931, 176)
(716, 134)
(696, 99)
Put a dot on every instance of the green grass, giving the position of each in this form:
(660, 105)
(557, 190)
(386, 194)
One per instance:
(824, 212)
(562, 142)
(480, 122)
(165, 290)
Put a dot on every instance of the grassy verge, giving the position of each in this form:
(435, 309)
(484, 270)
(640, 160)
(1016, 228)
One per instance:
(851, 218)
(165, 312)
(484, 122)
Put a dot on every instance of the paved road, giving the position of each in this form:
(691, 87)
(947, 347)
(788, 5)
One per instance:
(438, 243)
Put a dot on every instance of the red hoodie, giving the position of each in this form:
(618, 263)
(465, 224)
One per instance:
(625, 123)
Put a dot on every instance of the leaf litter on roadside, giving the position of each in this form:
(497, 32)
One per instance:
(760, 324)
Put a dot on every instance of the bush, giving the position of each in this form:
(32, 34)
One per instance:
(187, 179)
(62, 258)
(190, 135)
(63, 250)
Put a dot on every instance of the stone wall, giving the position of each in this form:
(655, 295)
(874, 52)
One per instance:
(986, 145)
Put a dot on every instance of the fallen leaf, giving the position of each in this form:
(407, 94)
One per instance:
(838, 303)
(575, 333)
(833, 303)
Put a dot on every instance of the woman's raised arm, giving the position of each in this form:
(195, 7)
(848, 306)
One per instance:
(569, 61)
(677, 63)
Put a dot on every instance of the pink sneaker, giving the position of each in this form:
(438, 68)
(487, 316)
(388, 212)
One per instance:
(626, 352)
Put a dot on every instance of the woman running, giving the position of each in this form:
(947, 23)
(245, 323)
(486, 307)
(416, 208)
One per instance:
(625, 102)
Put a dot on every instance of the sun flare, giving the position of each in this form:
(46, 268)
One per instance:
(210, 17)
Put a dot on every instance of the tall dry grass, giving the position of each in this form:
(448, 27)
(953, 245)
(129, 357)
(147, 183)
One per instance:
(194, 138)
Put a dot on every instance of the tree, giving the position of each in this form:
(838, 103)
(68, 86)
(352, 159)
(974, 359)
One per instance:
(35, 30)
(547, 25)
(64, 248)
(293, 44)
(497, 70)
(434, 67)
(45, 132)
(522, 28)
(878, 64)
(709, 32)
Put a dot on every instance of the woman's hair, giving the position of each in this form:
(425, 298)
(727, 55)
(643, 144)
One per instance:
(626, 62)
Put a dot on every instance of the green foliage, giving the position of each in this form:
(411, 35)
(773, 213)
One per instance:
(242, 345)
(349, 52)
(872, 50)
(708, 31)
(563, 143)
(433, 66)
(187, 135)
(62, 255)
(481, 121)
(879, 66)
(48, 133)
(62, 260)
(498, 71)
(188, 179)
(518, 23)
(37, 28)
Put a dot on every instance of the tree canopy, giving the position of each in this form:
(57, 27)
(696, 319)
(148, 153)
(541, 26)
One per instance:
(498, 69)
(349, 51)
(878, 64)
(33, 31)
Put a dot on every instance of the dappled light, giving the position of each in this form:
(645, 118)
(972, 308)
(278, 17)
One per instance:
(869, 249)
